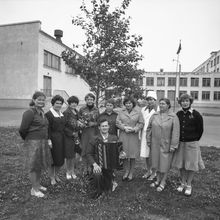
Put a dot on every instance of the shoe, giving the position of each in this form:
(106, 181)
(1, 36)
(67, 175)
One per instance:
(130, 179)
(74, 176)
(53, 182)
(42, 188)
(38, 194)
(114, 186)
(147, 175)
(125, 178)
(154, 184)
(160, 188)
(152, 177)
(181, 187)
(57, 178)
(188, 190)
(68, 176)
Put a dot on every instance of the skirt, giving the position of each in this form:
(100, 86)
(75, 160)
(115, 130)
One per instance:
(38, 155)
(188, 156)
(145, 150)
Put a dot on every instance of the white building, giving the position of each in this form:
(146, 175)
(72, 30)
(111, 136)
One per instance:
(212, 64)
(30, 60)
(204, 87)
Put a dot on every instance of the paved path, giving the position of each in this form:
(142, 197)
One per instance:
(211, 136)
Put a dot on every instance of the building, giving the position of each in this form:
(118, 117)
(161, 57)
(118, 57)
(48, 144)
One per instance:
(204, 87)
(212, 64)
(30, 60)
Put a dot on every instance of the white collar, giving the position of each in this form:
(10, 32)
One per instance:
(105, 139)
(55, 114)
(189, 110)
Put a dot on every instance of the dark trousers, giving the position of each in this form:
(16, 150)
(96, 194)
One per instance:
(101, 182)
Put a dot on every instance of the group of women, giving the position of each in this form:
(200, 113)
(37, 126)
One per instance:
(167, 139)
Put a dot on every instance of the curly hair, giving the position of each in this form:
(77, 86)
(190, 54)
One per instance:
(129, 99)
(73, 99)
(167, 102)
(184, 97)
(57, 98)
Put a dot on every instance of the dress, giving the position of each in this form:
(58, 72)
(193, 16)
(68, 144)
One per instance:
(56, 134)
(147, 113)
(87, 114)
(130, 141)
(71, 127)
(188, 155)
(162, 134)
(34, 132)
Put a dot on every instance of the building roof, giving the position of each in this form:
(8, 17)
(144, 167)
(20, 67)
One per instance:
(20, 23)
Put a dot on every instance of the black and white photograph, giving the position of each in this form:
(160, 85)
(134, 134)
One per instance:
(109, 109)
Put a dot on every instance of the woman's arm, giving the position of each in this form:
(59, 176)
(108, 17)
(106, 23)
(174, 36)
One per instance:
(175, 136)
(27, 119)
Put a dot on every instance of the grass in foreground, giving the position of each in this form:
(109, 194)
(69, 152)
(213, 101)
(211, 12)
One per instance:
(133, 200)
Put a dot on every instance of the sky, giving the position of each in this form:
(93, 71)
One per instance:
(161, 23)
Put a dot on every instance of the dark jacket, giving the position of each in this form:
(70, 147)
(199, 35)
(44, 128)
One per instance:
(191, 125)
(91, 152)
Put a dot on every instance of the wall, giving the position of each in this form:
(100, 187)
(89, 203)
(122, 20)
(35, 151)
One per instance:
(18, 61)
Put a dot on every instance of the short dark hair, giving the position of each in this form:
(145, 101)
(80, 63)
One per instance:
(73, 99)
(57, 98)
(185, 96)
(129, 99)
(90, 95)
(101, 121)
(35, 96)
(167, 101)
(111, 101)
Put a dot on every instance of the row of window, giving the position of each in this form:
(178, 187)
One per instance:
(194, 94)
(206, 82)
(54, 62)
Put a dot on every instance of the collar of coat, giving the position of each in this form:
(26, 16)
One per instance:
(169, 113)
(134, 111)
(190, 110)
(55, 114)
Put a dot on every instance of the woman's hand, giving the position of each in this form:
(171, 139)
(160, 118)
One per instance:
(49, 143)
(129, 129)
(96, 168)
(172, 149)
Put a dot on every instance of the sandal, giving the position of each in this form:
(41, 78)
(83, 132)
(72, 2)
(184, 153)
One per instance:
(152, 177)
(147, 175)
(160, 188)
(154, 184)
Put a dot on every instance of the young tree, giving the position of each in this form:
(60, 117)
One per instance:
(110, 56)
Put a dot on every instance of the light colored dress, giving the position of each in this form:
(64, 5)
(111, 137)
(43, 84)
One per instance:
(144, 147)
(130, 141)
(162, 134)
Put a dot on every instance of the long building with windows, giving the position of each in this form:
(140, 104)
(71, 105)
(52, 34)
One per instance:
(204, 87)
(30, 60)
(212, 64)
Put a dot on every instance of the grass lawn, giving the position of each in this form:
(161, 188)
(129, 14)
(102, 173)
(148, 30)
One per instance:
(133, 200)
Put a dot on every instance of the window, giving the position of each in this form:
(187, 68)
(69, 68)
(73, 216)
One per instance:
(216, 95)
(149, 81)
(182, 92)
(160, 81)
(211, 63)
(69, 70)
(195, 82)
(217, 70)
(195, 95)
(171, 81)
(51, 60)
(206, 82)
(217, 60)
(205, 95)
(217, 82)
(140, 82)
(160, 94)
(183, 81)
(171, 95)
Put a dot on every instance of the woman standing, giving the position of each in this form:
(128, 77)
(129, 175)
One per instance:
(163, 139)
(71, 135)
(188, 157)
(130, 121)
(34, 131)
(56, 134)
(147, 112)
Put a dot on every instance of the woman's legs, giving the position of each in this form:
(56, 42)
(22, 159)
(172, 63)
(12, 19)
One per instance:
(126, 166)
(183, 175)
(34, 180)
(131, 168)
(190, 175)
(70, 168)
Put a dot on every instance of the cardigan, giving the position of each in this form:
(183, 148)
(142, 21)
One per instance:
(191, 125)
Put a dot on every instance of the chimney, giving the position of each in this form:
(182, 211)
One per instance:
(58, 34)
(161, 70)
